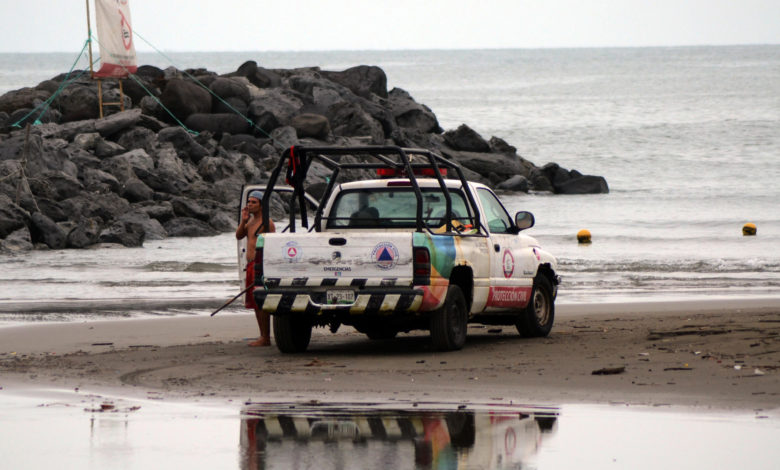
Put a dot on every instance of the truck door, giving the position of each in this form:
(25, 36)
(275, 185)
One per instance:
(510, 286)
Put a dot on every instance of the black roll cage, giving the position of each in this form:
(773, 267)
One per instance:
(298, 160)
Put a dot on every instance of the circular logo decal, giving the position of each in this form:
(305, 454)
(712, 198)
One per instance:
(509, 264)
(385, 255)
(291, 252)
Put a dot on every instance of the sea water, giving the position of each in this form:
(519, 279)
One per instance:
(688, 139)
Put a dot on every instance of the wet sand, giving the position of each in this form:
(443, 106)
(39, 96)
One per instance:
(710, 355)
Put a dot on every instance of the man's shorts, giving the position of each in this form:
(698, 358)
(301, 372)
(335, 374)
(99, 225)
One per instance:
(249, 300)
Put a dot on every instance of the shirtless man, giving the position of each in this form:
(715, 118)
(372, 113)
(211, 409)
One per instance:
(250, 225)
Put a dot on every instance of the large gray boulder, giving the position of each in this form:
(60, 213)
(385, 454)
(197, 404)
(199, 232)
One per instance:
(189, 227)
(85, 233)
(186, 147)
(12, 216)
(183, 98)
(466, 138)
(78, 102)
(23, 98)
(410, 114)
(218, 124)
(363, 80)
(45, 230)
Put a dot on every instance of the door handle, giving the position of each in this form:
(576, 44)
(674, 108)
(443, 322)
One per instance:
(497, 247)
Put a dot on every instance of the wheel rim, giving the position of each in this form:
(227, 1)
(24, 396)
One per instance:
(541, 308)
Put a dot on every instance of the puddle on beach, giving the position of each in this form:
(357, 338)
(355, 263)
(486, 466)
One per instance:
(77, 430)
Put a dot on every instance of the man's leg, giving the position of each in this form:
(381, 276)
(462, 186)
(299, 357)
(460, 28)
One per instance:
(264, 322)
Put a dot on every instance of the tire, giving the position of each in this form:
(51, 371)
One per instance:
(449, 323)
(292, 333)
(536, 320)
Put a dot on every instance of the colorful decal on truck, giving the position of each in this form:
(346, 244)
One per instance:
(385, 255)
(509, 264)
(516, 297)
(291, 252)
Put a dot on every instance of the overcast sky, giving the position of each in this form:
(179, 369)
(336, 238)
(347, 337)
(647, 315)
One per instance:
(280, 25)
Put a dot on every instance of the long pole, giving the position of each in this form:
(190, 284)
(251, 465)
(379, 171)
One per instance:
(89, 39)
(233, 299)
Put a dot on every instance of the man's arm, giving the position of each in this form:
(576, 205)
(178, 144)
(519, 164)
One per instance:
(241, 231)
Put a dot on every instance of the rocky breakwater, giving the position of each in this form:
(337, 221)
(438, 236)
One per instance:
(74, 180)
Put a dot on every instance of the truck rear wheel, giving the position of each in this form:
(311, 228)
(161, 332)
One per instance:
(449, 323)
(536, 319)
(292, 333)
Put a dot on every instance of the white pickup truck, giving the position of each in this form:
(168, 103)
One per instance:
(409, 250)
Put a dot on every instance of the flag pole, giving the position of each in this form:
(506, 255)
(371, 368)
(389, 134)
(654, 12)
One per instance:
(89, 41)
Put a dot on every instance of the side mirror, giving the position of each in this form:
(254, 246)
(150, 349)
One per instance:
(524, 220)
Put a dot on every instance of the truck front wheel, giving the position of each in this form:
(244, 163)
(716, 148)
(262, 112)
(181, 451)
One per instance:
(449, 323)
(536, 319)
(292, 333)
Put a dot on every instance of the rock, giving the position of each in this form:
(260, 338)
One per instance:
(504, 166)
(135, 190)
(129, 234)
(465, 138)
(225, 88)
(244, 143)
(275, 108)
(410, 114)
(114, 123)
(258, 76)
(311, 125)
(347, 119)
(539, 181)
(585, 184)
(284, 138)
(186, 147)
(78, 102)
(107, 206)
(515, 183)
(217, 168)
(26, 98)
(188, 227)
(223, 222)
(498, 145)
(12, 216)
(231, 105)
(18, 240)
(45, 230)
(153, 229)
(184, 98)
(363, 80)
(56, 185)
(184, 207)
(161, 211)
(52, 209)
(84, 234)
(218, 123)
(86, 141)
(106, 148)
(99, 181)
(138, 138)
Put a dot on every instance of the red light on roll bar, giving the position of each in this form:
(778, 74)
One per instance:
(392, 172)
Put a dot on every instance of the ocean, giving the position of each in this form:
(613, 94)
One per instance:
(688, 139)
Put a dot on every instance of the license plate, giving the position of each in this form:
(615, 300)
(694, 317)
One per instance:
(340, 297)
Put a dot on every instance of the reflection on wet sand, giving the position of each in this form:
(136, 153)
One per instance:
(369, 436)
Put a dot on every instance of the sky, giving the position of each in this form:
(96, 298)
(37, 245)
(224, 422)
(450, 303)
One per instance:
(297, 25)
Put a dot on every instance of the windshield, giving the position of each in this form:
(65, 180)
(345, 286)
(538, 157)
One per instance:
(391, 207)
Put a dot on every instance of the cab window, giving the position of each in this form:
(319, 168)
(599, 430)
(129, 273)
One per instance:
(498, 220)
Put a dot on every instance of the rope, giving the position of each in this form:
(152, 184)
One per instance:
(251, 123)
(62, 86)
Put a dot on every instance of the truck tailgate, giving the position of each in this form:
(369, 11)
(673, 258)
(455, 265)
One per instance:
(366, 255)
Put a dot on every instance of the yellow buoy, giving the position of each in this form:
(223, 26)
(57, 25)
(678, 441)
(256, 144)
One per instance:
(749, 229)
(583, 236)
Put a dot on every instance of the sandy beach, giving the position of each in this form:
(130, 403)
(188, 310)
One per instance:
(711, 355)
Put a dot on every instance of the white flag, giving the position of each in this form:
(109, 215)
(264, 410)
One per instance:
(115, 36)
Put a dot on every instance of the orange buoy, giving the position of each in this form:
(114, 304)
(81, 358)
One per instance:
(583, 236)
(749, 229)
